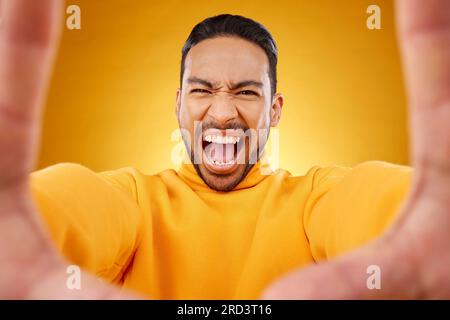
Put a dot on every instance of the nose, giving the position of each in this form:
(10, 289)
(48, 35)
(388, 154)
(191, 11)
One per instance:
(222, 108)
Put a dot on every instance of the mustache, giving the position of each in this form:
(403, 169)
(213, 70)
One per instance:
(233, 125)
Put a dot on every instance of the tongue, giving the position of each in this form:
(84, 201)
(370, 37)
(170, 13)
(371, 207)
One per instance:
(221, 152)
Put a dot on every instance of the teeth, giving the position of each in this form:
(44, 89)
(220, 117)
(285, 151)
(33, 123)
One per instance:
(221, 139)
(219, 163)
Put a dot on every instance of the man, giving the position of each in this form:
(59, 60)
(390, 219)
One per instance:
(219, 227)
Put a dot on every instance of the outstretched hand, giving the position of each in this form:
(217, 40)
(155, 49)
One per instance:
(30, 266)
(414, 254)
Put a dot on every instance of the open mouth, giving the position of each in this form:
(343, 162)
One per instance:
(222, 151)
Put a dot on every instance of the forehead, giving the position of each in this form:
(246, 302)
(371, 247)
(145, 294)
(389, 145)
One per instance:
(227, 59)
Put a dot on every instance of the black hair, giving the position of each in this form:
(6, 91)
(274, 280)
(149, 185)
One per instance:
(238, 26)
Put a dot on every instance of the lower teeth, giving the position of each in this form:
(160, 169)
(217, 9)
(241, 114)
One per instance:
(217, 163)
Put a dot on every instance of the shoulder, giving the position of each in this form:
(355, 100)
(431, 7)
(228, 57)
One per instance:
(369, 172)
(62, 174)
(371, 177)
(323, 178)
(127, 177)
(76, 177)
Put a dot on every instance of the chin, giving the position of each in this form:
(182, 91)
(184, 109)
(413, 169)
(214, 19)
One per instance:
(223, 182)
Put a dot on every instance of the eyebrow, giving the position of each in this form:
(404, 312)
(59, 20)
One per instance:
(238, 85)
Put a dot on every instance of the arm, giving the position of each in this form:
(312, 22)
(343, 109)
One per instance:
(93, 222)
(349, 207)
(30, 265)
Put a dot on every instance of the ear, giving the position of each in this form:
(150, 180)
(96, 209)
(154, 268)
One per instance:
(275, 111)
(178, 102)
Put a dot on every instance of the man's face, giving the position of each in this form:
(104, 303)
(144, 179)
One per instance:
(225, 108)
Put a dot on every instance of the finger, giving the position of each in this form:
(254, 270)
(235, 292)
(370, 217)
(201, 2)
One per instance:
(28, 21)
(352, 276)
(424, 34)
(424, 37)
(27, 42)
(27, 33)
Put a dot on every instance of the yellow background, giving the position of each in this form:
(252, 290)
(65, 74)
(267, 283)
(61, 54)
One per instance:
(112, 98)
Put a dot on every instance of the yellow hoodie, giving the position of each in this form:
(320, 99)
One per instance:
(169, 236)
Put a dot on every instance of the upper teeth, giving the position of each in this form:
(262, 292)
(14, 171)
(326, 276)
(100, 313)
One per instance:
(221, 139)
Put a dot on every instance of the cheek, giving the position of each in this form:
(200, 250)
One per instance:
(190, 112)
(255, 115)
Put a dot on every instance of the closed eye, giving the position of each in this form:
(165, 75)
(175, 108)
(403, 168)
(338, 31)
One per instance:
(197, 90)
(248, 93)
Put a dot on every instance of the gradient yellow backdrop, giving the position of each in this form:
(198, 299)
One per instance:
(112, 97)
